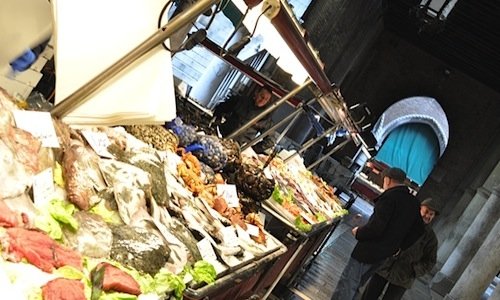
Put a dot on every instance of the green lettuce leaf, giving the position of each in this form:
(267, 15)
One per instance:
(203, 271)
(35, 294)
(117, 296)
(63, 213)
(49, 225)
(58, 176)
(69, 272)
(166, 282)
(109, 216)
(276, 195)
(55, 214)
(320, 217)
(301, 225)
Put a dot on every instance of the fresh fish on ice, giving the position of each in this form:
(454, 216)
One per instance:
(131, 187)
(82, 175)
(93, 237)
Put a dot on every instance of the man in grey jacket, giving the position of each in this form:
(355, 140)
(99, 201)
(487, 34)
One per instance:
(399, 272)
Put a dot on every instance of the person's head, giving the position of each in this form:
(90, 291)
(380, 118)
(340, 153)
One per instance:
(428, 210)
(262, 96)
(393, 177)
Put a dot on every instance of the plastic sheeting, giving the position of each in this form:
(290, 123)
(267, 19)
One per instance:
(413, 148)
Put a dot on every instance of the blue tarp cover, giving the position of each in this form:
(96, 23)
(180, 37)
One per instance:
(413, 148)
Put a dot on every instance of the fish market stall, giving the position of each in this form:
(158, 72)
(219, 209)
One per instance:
(145, 212)
(301, 212)
(124, 210)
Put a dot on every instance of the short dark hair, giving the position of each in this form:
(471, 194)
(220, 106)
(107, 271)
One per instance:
(394, 173)
(267, 88)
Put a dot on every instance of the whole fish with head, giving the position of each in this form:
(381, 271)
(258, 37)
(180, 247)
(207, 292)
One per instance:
(140, 248)
(83, 177)
(180, 253)
(148, 160)
(93, 237)
(131, 186)
(223, 249)
(175, 227)
(132, 191)
(26, 148)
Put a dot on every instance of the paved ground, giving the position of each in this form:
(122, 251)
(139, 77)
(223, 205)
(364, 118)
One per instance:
(320, 279)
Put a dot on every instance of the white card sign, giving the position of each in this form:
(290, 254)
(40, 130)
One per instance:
(99, 142)
(228, 192)
(229, 236)
(262, 217)
(242, 233)
(43, 187)
(39, 124)
(206, 250)
(252, 230)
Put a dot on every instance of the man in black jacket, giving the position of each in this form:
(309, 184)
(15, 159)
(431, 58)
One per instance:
(397, 274)
(394, 225)
(237, 110)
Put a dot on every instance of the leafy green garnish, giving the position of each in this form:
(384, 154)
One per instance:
(277, 195)
(63, 213)
(166, 282)
(304, 227)
(203, 271)
(320, 217)
(55, 214)
(69, 272)
(35, 294)
(109, 216)
(282, 196)
(49, 225)
(340, 213)
(117, 296)
(58, 176)
(145, 281)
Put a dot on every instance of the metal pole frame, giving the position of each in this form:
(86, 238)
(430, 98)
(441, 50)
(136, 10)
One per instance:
(285, 269)
(277, 125)
(311, 142)
(81, 95)
(282, 134)
(335, 149)
(270, 109)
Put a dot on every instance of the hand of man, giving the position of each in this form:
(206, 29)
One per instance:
(354, 230)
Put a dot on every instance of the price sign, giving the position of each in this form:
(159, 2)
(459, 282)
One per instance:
(242, 233)
(268, 173)
(99, 142)
(206, 250)
(228, 192)
(229, 236)
(252, 230)
(43, 187)
(39, 124)
(262, 217)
